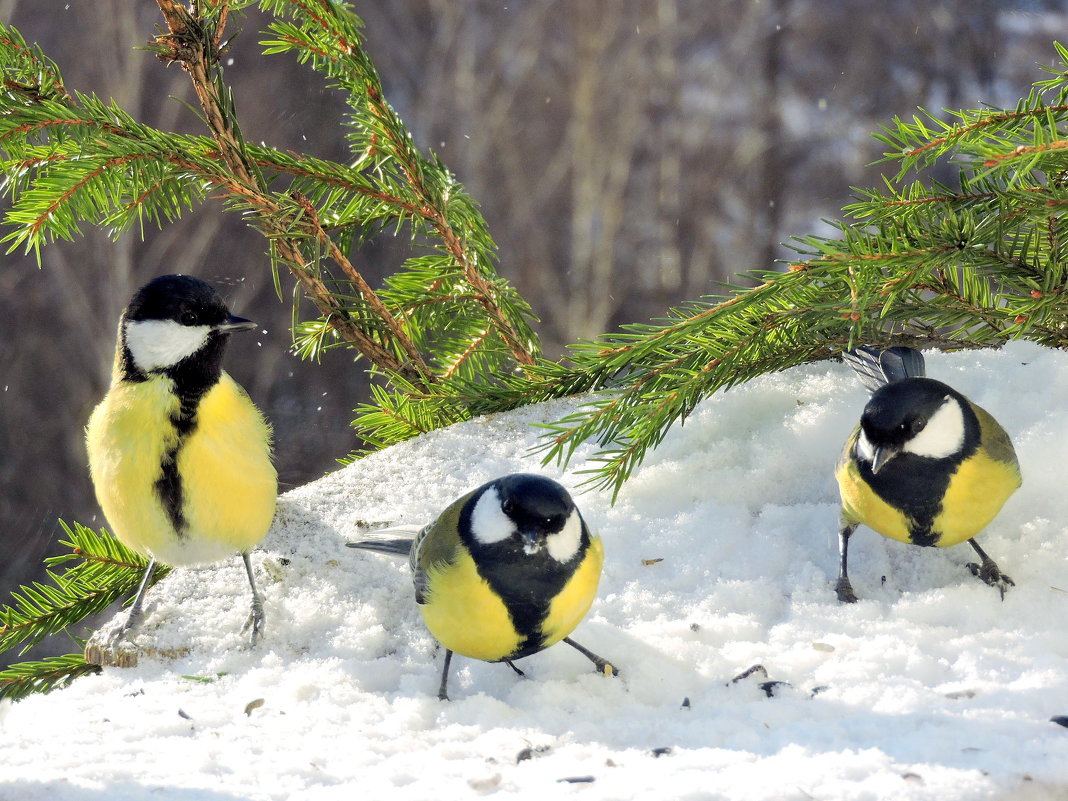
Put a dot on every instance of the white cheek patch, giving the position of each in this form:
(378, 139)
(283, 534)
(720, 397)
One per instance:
(564, 544)
(489, 523)
(157, 344)
(943, 435)
(865, 452)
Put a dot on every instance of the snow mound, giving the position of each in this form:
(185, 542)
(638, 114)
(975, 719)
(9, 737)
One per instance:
(721, 553)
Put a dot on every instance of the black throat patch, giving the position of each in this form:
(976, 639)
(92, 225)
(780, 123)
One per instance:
(526, 583)
(915, 485)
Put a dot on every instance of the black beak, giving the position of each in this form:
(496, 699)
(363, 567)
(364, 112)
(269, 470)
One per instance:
(532, 539)
(235, 324)
(881, 457)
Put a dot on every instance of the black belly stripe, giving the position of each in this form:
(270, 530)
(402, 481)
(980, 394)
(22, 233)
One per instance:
(169, 484)
(169, 489)
(914, 486)
(526, 584)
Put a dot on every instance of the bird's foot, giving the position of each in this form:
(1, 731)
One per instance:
(256, 622)
(605, 667)
(989, 573)
(845, 592)
(111, 646)
(602, 664)
(518, 672)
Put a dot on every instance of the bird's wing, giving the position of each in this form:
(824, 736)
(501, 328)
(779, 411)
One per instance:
(877, 368)
(437, 546)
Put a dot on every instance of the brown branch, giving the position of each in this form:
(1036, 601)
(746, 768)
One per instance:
(454, 244)
(437, 219)
(36, 225)
(194, 48)
(37, 126)
(466, 354)
(1024, 150)
(29, 54)
(990, 119)
(314, 227)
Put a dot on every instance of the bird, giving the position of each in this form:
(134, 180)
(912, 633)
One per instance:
(924, 466)
(503, 572)
(179, 456)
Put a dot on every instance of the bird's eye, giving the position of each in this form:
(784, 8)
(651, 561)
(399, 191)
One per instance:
(507, 506)
(188, 318)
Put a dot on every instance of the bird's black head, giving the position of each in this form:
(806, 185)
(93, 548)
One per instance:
(899, 411)
(916, 415)
(177, 325)
(526, 513)
(179, 298)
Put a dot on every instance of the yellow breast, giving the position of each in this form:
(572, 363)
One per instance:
(574, 601)
(976, 493)
(465, 615)
(860, 504)
(228, 482)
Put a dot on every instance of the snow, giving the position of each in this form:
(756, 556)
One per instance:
(929, 688)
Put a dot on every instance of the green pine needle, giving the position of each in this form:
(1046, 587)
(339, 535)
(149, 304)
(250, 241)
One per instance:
(105, 571)
(27, 678)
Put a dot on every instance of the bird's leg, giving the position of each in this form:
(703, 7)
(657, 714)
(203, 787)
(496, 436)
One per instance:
(843, 588)
(518, 672)
(442, 694)
(109, 644)
(988, 571)
(603, 665)
(256, 615)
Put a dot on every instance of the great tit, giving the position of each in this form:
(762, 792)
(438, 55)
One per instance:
(180, 457)
(924, 466)
(503, 572)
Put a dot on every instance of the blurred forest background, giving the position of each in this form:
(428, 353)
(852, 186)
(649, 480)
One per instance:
(627, 154)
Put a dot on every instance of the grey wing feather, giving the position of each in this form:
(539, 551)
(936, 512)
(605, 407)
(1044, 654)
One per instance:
(877, 368)
(410, 547)
(397, 547)
(419, 576)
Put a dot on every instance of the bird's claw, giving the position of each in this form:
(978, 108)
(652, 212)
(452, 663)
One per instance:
(256, 619)
(607, 668)
(990, 574)
(844, 590)
(111, 645)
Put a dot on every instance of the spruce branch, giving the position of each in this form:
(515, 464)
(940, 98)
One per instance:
(327, 36)
(193, 41)
(445, 317)
(27, 678)
(914, 263)
(104, 572)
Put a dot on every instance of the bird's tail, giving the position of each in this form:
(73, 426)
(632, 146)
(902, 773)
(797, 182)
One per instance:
(877, 368)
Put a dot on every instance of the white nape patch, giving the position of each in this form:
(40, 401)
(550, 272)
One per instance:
(943, 435)
(489, 523)
(157, 344)
(564, 544)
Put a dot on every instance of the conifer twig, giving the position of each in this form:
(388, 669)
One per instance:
(26, 678)
(190, 45)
